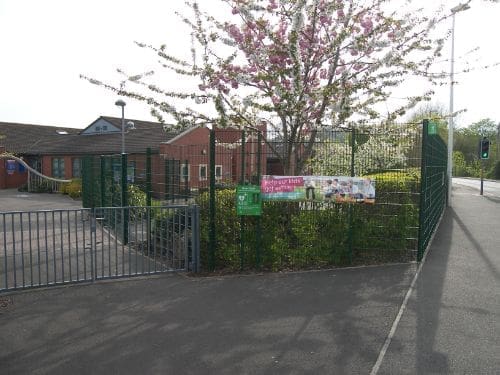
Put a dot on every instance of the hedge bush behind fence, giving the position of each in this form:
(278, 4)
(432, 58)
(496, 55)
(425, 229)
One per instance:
(315, 235)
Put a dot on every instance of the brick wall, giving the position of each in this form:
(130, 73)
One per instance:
(14, 180)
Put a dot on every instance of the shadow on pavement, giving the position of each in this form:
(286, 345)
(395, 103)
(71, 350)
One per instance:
(450, 325)
(298, 323)
(476, 245)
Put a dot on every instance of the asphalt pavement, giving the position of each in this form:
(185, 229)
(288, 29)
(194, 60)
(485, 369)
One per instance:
(322, 322)
(13, 200)
(452, 322)
(328, 322)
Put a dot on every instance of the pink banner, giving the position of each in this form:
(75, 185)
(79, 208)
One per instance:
(273, 184)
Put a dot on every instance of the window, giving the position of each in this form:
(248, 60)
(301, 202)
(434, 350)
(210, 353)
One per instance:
(203, 172)
(76, 170)
(58, 167)
(116, 166)
(184, 172)
(104, 128)
(131, 172)
(218, 172)
(97, 128)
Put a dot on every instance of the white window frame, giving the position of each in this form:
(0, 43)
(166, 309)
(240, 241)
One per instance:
(218, 176)
(73, 160)
(181, 172)
(60, 171)
(200, 168)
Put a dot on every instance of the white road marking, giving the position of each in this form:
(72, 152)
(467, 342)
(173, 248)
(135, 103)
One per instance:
(402, 308)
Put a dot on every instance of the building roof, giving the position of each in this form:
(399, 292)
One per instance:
(21, 138)
(146, 134)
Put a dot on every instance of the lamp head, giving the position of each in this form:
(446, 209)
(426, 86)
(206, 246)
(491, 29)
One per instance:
(120, 103)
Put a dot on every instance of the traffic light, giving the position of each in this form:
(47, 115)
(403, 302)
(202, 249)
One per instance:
(484, 148)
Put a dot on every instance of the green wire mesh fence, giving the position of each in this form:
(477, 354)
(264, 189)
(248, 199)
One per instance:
(288, 235)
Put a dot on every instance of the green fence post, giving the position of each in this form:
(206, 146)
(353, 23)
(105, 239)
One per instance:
(211, 207)
(148, 177)
(149, 190)
(186, 180)
(242, 219)
(423, 191)
(353, 150)
(103, 181)
(350, 232)
(94, 181)
(177, 173)
(86, 183)
(258, 242)
(168, 179)
(124, 201)
(124, 198)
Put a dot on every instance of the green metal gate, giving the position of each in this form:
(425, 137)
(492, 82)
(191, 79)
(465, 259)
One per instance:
(54, 247)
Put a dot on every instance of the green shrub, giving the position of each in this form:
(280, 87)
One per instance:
(300, 235)
(495, 171)
(73, 188)
(227, 224)
(136, 197)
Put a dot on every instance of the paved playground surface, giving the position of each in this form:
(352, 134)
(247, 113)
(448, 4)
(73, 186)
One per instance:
(13, 200)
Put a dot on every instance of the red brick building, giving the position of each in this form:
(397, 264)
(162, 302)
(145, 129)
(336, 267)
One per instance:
(58, 152)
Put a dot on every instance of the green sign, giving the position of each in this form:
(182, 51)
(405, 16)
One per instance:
(432, 128)
(248, 202)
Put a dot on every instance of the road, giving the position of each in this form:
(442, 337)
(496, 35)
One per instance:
(490, 187)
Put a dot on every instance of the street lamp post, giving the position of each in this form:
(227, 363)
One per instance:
(454, 11)
(121, 103)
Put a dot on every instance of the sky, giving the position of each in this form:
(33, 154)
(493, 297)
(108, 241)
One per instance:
(46, 45)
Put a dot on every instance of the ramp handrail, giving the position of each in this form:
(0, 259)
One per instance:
(30, 169)
(39, 176)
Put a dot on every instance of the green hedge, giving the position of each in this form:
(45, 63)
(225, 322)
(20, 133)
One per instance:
(314, 235)
(73, 188)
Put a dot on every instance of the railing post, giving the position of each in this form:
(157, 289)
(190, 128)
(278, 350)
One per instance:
(124, 198)
(212, 230)
(93, 252)
(167, 179)
(350, 232)
(124, 201)
(423, 191)
(148, 177)
(258, 242)
(242, 218)
(186, 180)
(92, 184)
(102, 181)
(195, 238)
(353, 150)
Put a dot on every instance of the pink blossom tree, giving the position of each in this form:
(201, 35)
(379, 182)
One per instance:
(299, 65)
